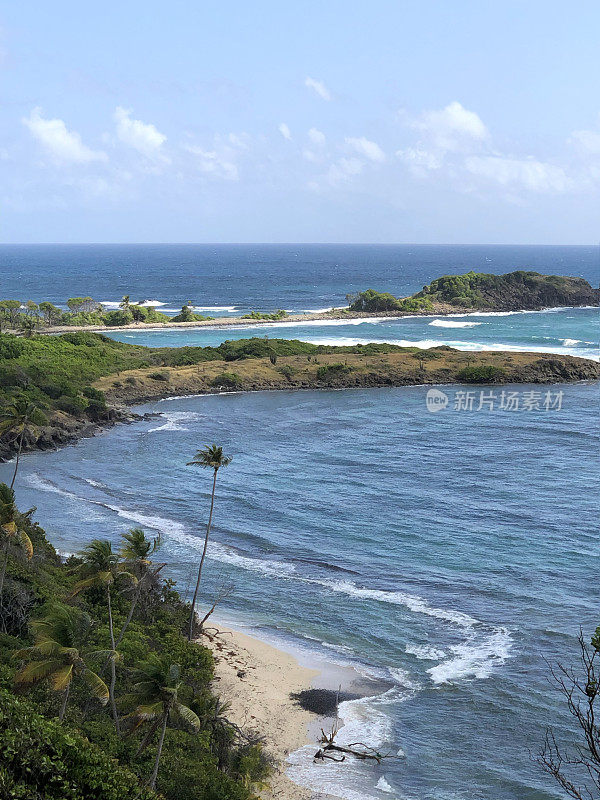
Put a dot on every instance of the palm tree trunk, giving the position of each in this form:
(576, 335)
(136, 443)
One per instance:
(3, 571)
(63, 705)
(113, 669)
(136, 597)
(152, 781)
(14, 477)
(193, 611)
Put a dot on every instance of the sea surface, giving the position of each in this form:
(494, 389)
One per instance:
(447, 555)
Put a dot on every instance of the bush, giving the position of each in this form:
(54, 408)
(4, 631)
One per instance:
(229, 379)
(481, 374)
(159, 376)
(330, 371)
(72, 405)
(40, 758)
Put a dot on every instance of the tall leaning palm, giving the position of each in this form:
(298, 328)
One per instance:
(210, 457)
(101, 567)
(58, 654)
(9, 531)
(135, 552)
(155, 695)
(17, 418)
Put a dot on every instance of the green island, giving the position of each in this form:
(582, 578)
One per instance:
(80, 381)
(478, 291)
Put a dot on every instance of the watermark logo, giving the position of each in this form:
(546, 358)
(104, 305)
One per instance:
(488, 400)
(436, 400)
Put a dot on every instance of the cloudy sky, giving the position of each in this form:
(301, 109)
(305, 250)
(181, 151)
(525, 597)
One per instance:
(329, 121)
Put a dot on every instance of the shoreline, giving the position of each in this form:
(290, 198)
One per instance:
(282, 696)
(439, 310)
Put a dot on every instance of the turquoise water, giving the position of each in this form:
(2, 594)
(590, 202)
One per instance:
(447, 554)
(573, 331)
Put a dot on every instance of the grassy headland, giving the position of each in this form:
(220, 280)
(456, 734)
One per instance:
(82, 380)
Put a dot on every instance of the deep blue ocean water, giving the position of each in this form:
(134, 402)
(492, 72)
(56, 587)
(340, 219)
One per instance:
(449, 555)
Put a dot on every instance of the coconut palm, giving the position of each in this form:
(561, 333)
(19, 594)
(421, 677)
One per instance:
(136, 552)
(9, 531)
(210, 457)
(101, 568)
(124, 302)
(17, 418)
(155, 695)
(58, 654)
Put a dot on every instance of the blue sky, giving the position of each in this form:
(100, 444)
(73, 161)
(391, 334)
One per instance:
(448, 121)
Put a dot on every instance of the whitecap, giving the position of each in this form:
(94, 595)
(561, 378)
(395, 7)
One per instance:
(229, 309)
(569, 342)
(447, 323)
(475, 658)
(424, 652)
(174, 420)
(150, 303)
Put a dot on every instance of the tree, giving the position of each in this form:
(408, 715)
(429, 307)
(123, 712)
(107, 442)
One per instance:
(11, 308)
(101, 568)
(155, 695)
(17, 418)
(10, 532)
(210, 457)
(51, 313)
(124, 304)
(136, 552)
(58, 654)
(578, 772)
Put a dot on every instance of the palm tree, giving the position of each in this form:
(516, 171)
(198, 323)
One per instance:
(9, 530)
(125, 301)
(17, 417)
(136, 552)
(155, 695)
(58, 655)
(211, 457)
(101, 568)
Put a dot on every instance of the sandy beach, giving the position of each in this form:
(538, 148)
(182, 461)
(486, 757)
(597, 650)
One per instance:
(256, 680)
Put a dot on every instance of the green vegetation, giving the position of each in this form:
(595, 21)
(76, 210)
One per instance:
(328, 372)
(476, 290)
(480, 374)
(276, 315)
(373, 302)
(64, 629)
(227, 379)
(512, 291)
(187, 315)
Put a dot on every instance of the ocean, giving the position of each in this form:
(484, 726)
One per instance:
(447, 556)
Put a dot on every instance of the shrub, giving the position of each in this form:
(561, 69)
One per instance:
(230, 379)
(159, 376)
(330, 371)
(72, 405)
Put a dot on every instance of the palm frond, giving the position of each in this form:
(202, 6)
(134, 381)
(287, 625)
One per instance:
(62, 678)
(96, 684)
(37, 671)
(26, 544)
(188, 716)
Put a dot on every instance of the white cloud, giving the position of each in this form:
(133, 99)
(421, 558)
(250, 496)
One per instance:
(451, 128)
(317, 137)
(527, 173)
(285, 131)
(366, 148)
(587, 141)
(419, 160)
(142, 136)
(62, 144)
(318, 87)
(344, 169)
(214, 163)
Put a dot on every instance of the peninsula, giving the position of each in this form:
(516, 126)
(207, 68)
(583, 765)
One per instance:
(82, 381)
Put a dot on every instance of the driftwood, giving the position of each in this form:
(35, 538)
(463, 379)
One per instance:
(357, 749)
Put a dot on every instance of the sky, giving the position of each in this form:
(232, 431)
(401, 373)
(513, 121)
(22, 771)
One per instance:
(438, 121)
